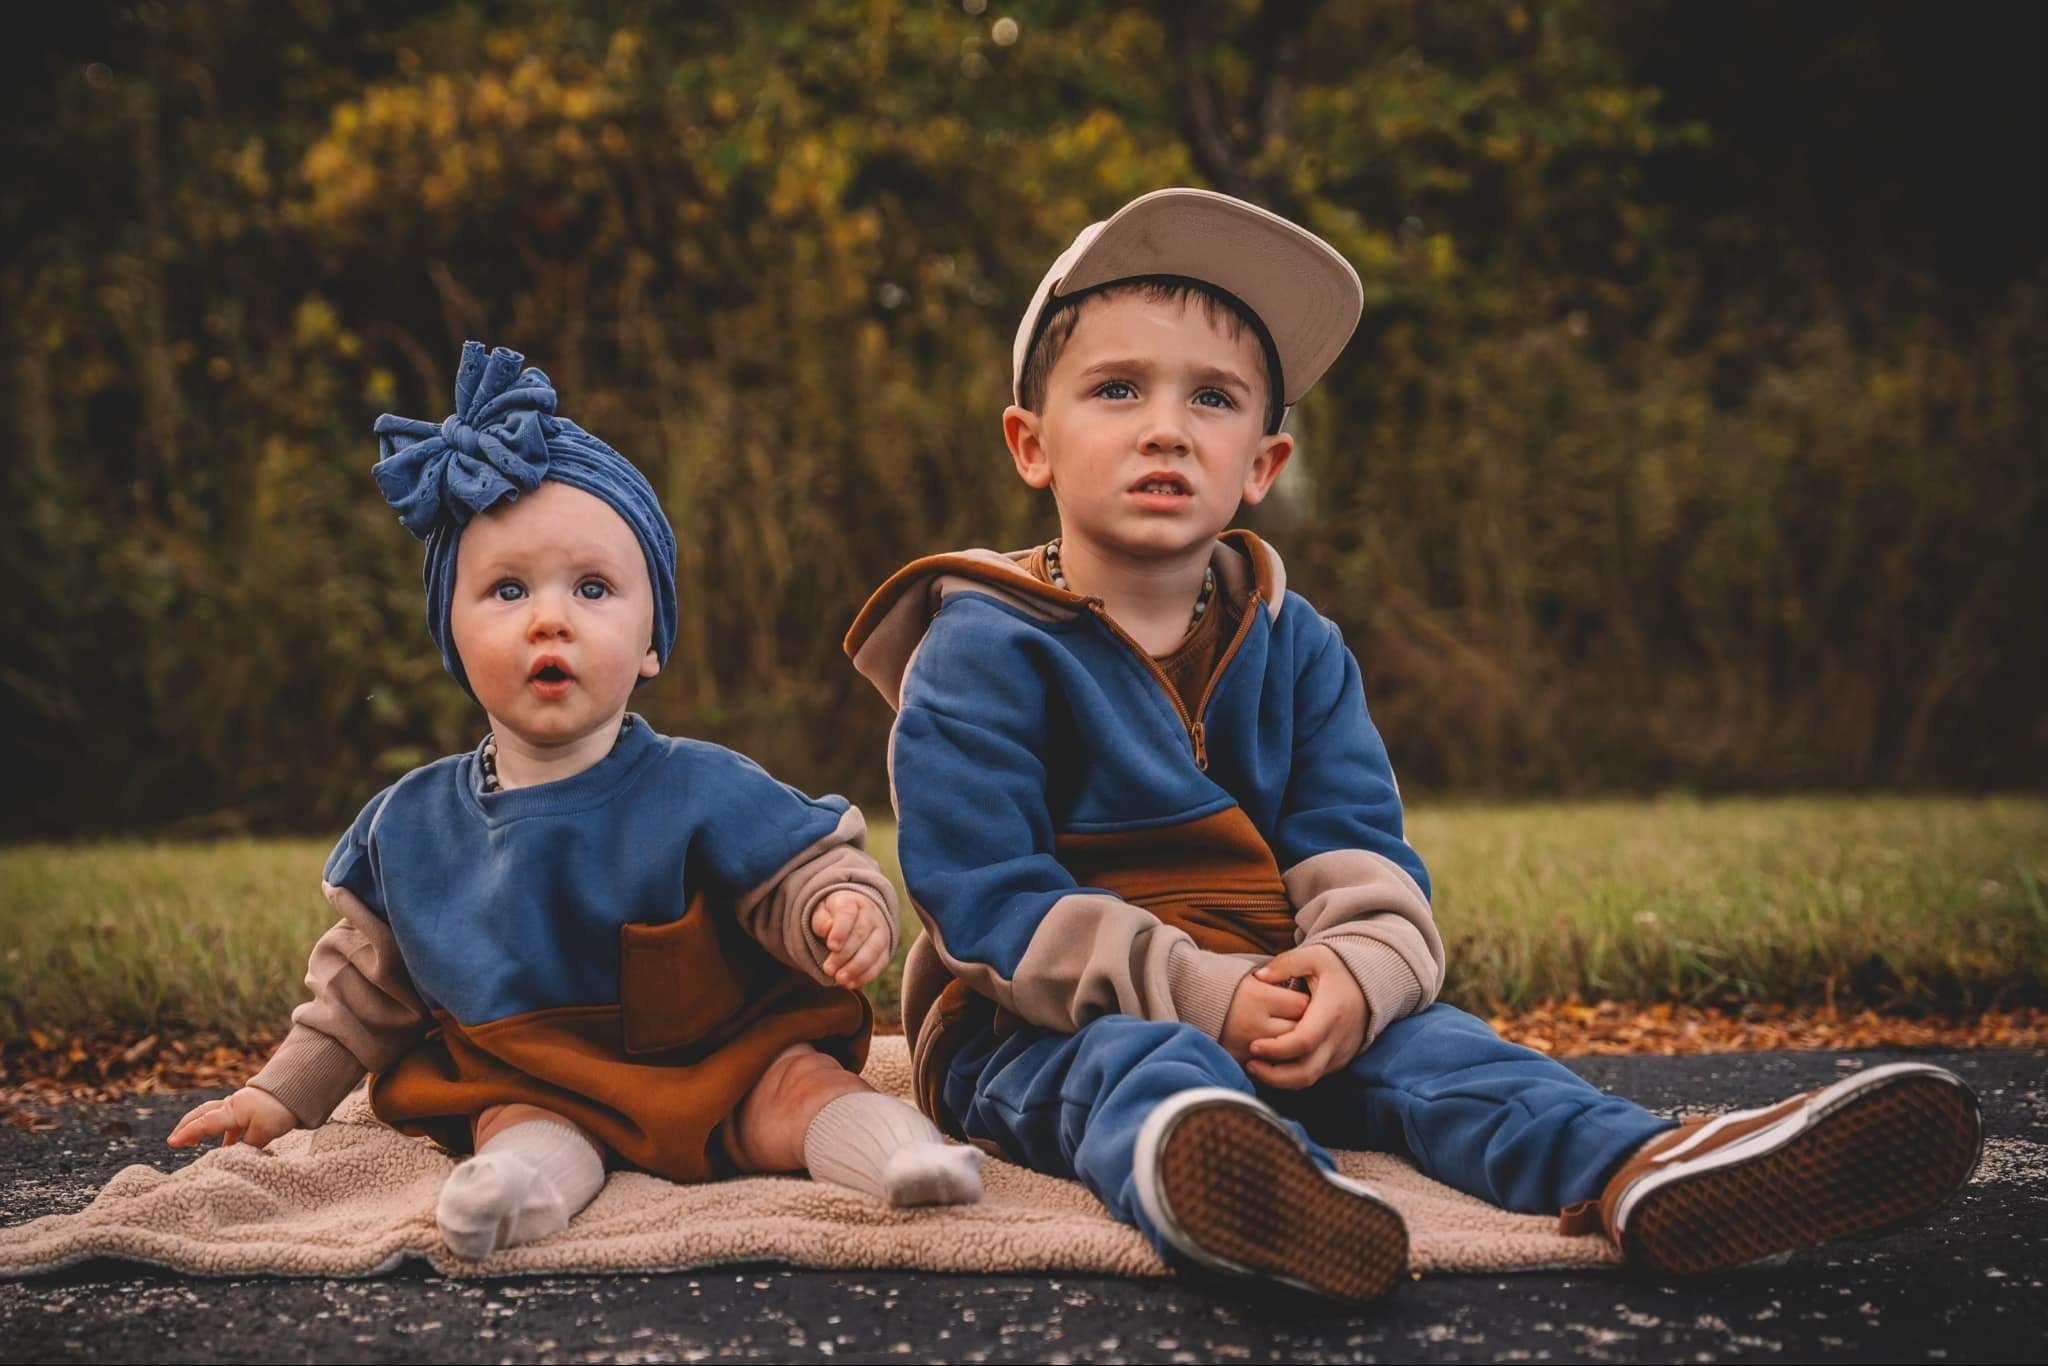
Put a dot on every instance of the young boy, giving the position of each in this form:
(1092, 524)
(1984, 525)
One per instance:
(1173, 928)
(584, 940)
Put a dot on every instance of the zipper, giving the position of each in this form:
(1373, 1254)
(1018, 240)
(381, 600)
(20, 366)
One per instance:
(1244, 628)
(1198, 734)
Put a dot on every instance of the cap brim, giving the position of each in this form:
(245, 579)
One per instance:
(1305, 293)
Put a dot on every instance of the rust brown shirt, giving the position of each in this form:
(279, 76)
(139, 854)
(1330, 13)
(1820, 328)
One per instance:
(1191, 664)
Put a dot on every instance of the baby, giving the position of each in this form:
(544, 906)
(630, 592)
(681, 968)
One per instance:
(584, 941)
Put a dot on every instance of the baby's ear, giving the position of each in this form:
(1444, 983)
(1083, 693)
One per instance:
(651, 665)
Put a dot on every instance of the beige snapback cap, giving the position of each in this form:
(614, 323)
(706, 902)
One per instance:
(1305, 293)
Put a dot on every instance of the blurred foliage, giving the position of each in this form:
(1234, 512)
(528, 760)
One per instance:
(1692, 436)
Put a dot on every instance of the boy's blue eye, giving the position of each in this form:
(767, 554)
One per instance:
(592, 589)
(1214, 398)
(508, 591)
(1116, 389)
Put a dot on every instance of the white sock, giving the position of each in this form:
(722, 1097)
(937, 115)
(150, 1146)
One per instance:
(529, 1181)
(878, 1144)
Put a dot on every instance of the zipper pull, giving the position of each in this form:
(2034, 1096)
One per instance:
(1200, 737)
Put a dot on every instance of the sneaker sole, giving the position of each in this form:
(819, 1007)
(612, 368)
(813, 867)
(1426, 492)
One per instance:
(1238, 1194)
(1873, 1151)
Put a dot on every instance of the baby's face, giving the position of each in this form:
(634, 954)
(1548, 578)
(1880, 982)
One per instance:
(553, 614)
(1153, 428)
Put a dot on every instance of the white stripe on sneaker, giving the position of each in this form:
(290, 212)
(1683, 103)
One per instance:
(1707, 1131)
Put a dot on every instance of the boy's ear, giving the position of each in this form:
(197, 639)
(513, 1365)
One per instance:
(651, 665)
(1025, 437)
(1274, 453)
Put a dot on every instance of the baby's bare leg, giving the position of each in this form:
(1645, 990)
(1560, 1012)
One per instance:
(533, 1172)
(808, 1111)
(766, 1134)
(495, 1119)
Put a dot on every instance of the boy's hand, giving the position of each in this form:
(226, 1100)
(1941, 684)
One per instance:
(1259, 1010)
(248, 1116)
(1331, 1030)
(856, 933)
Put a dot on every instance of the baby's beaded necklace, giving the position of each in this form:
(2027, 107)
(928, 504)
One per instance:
(487, 760)
(1059, 580)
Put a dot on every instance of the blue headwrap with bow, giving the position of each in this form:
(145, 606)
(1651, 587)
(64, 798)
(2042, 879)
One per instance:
(501, 441)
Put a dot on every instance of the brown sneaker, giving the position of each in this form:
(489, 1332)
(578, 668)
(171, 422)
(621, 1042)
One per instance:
(1233, 1191)
(1878, 1149)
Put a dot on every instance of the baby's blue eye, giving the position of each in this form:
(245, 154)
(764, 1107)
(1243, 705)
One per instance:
(508, 591)
(592, 589)
(1117, 389)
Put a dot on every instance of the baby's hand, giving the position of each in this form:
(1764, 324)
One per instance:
(856, 933)
(1331, 1031)
(1258, 1010)
(248, 1116)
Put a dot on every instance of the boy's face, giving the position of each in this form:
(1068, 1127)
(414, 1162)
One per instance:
(553, 614)
(1153, 428)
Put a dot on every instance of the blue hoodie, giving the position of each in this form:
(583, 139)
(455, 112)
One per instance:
(1078, 842)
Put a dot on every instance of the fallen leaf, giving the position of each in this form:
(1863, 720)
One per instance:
(111, 1063)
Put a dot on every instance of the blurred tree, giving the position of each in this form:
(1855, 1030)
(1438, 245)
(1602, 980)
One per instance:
(1689, 437)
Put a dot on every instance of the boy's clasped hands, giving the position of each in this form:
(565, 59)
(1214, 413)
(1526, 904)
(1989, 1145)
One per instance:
(1290, 1037)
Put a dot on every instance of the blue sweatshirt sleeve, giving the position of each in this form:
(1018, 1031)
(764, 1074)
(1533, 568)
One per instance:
(754, 824)
(1354, 881)
(975, 838)
(1341, 792)
(352, 864)
(775, 854)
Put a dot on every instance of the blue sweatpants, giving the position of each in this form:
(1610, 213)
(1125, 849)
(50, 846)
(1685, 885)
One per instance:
(1490, 1118)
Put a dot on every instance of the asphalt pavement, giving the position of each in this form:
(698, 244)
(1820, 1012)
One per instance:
(1971, 1284)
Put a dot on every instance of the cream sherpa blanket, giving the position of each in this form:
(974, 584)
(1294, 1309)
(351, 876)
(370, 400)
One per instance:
(354, 1198)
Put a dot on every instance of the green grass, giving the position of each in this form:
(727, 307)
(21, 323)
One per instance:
(1893, 903)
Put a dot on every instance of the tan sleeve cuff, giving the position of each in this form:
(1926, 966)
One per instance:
(778, 912)
(309, 1074)
(1201, 984)
(1391, 991)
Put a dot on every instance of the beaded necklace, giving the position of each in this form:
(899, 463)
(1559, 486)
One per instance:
(1059, 580)
(487, 760)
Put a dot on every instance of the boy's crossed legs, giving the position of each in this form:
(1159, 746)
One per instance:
(534, 1170)
(1123, 1102)
(1160, 1124)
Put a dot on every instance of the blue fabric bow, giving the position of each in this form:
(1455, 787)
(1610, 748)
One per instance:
(502, 440)
(494, 445)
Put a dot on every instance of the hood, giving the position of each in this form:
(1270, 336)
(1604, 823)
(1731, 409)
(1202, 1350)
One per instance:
(886, 633)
